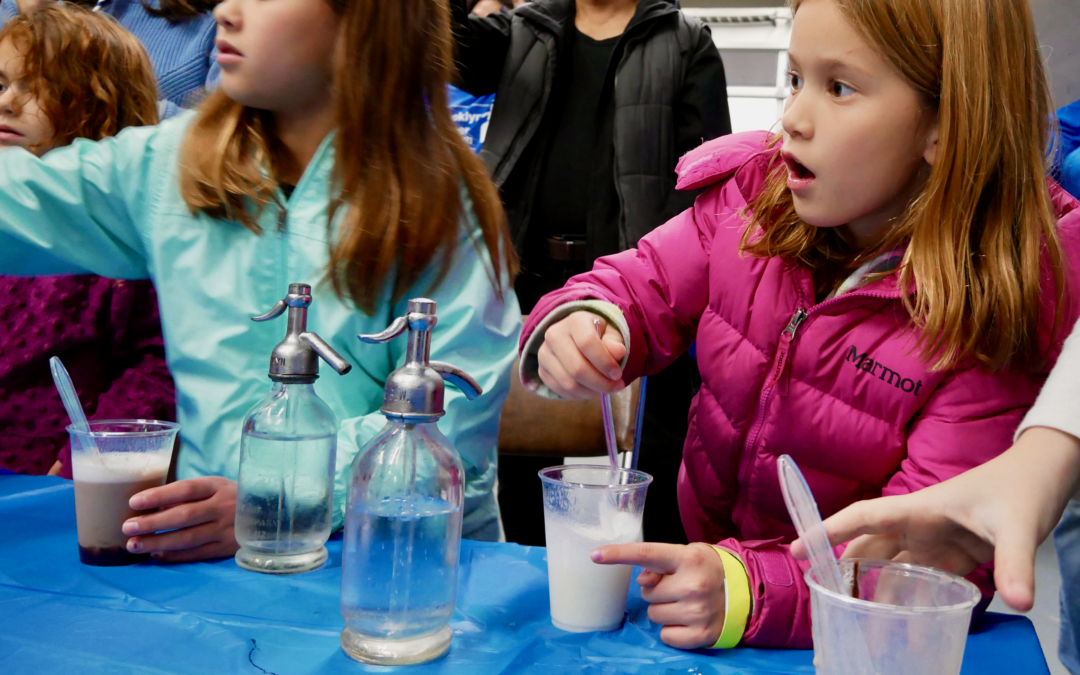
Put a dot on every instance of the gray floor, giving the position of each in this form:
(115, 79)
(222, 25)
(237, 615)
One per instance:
(1045, 612)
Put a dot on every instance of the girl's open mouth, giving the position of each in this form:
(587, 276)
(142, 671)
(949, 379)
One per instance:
(799, 177)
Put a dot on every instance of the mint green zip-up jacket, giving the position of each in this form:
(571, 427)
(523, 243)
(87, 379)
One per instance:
(113, 208)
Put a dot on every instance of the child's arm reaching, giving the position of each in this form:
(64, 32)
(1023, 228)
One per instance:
(653, 295)
(77, 209)
(998, 512)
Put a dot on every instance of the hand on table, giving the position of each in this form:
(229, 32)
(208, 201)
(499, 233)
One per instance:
(54, 470)
(576, 363)
(998, 511)
(684, 586)
(200, 513)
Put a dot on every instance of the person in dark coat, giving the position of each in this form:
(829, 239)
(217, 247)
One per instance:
(596, 100)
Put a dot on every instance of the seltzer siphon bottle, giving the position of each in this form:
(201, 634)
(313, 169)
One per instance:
(284, 502)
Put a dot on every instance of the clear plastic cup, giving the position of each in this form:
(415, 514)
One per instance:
(132, 456)
(906, 620)
(586, 507)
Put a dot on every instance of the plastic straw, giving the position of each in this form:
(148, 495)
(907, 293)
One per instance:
(807, 519)
(74, 408)
(605, 407)
(644, 382)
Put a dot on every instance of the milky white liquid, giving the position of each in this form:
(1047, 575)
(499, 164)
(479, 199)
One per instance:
(586, 596)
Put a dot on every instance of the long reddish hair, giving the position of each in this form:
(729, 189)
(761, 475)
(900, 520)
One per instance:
(400, 163)
(984, 226)
(90, 76)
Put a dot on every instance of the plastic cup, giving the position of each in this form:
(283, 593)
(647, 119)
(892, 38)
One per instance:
(910, 620)
(586, 507)
(133, 455)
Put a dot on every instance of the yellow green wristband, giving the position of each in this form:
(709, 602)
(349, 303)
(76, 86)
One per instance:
(736, 600)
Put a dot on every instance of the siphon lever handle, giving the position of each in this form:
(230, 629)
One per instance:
(324, 350)
(278, 309)
(459, 378)
(395, 329)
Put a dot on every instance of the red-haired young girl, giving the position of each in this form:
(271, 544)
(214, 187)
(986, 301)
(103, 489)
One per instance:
(65, 74)
(878, 292)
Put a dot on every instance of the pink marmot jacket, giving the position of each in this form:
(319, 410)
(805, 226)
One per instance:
(833, 384)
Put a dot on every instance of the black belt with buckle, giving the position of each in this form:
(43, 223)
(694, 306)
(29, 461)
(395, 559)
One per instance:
(566, 248)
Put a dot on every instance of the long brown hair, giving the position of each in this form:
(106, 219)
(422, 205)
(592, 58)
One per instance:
(91, 77)
(984, 226)
(400, 162)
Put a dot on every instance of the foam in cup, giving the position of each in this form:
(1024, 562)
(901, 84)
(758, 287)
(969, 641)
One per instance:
(115, 467)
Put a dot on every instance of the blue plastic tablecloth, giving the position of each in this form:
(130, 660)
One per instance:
(59, 616)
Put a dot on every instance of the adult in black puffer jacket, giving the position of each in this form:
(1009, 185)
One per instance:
(590, 118)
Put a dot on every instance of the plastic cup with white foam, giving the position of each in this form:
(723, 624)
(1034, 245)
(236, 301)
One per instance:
(586, 507)
(911, 620)
(132, 456)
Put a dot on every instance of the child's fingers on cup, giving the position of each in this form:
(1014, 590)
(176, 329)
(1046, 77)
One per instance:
(177, 540)
(209, 551)
(173, 518)
(689, 637)
(648, 579)
(190, 490)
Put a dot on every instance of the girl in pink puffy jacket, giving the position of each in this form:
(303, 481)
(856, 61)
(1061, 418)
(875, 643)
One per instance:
(877, 292)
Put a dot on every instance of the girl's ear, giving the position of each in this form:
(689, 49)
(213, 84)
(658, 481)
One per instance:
(930, 151)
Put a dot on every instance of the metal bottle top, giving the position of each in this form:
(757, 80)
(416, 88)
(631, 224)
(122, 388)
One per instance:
(414, 392)
(296, 358)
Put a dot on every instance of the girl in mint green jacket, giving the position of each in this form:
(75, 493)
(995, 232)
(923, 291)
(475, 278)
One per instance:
(327, 154)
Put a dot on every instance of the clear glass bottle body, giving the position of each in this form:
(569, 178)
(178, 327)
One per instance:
(284, 502)
(402, 538)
